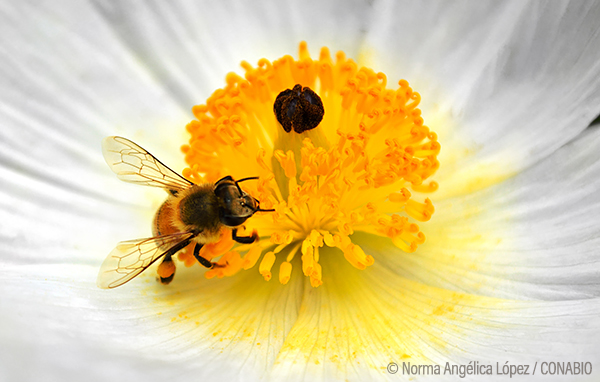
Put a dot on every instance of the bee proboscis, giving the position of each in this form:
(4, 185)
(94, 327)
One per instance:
(192, 214)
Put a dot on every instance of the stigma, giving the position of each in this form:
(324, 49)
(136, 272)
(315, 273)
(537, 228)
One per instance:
(336, 151)
(300, 109)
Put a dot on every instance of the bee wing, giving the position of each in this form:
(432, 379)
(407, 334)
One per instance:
(133, 164)
(130, 258)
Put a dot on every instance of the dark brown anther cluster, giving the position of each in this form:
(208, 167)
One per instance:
(299, 109)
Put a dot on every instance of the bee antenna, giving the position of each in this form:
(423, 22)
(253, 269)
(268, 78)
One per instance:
(245, 179)
(242, 180)
(260, 209)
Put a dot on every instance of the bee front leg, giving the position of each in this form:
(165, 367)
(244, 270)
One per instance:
(244, 239)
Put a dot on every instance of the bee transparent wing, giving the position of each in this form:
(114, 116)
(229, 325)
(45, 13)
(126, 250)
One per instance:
(130, 258)
(133, 164)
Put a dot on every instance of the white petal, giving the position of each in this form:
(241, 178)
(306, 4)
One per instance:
(191, 45)
(55, 211)
(358, 322)
(67, 82)
(504, 84)
(192, 329)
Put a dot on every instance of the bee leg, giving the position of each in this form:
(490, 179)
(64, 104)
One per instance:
(166, 270)
(204, 262)
(244, 239)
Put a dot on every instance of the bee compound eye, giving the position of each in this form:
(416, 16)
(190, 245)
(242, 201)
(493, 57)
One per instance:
(233, 221)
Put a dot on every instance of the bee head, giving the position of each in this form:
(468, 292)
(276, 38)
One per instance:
(235, 205)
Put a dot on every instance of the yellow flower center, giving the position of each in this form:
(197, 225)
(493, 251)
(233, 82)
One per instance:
(363, 168)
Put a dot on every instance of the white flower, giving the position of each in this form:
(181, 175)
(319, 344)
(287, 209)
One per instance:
(510, 270)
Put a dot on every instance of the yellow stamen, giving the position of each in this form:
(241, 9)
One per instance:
(251, 257)
(228, 265)
(266, 264)
(316, 275)
(285, 270)
(365, 167)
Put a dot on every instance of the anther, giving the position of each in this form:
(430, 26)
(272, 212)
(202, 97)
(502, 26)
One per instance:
(300, 109)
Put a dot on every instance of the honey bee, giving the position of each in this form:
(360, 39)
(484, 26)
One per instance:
(192, 214)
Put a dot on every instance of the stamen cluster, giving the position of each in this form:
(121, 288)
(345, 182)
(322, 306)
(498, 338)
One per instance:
(363, 168)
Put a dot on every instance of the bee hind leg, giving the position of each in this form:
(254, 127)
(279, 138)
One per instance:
(166, 270)
(244, 239)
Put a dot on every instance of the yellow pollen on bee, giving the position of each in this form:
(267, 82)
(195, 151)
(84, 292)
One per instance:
(166, 269)
(365, 168)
